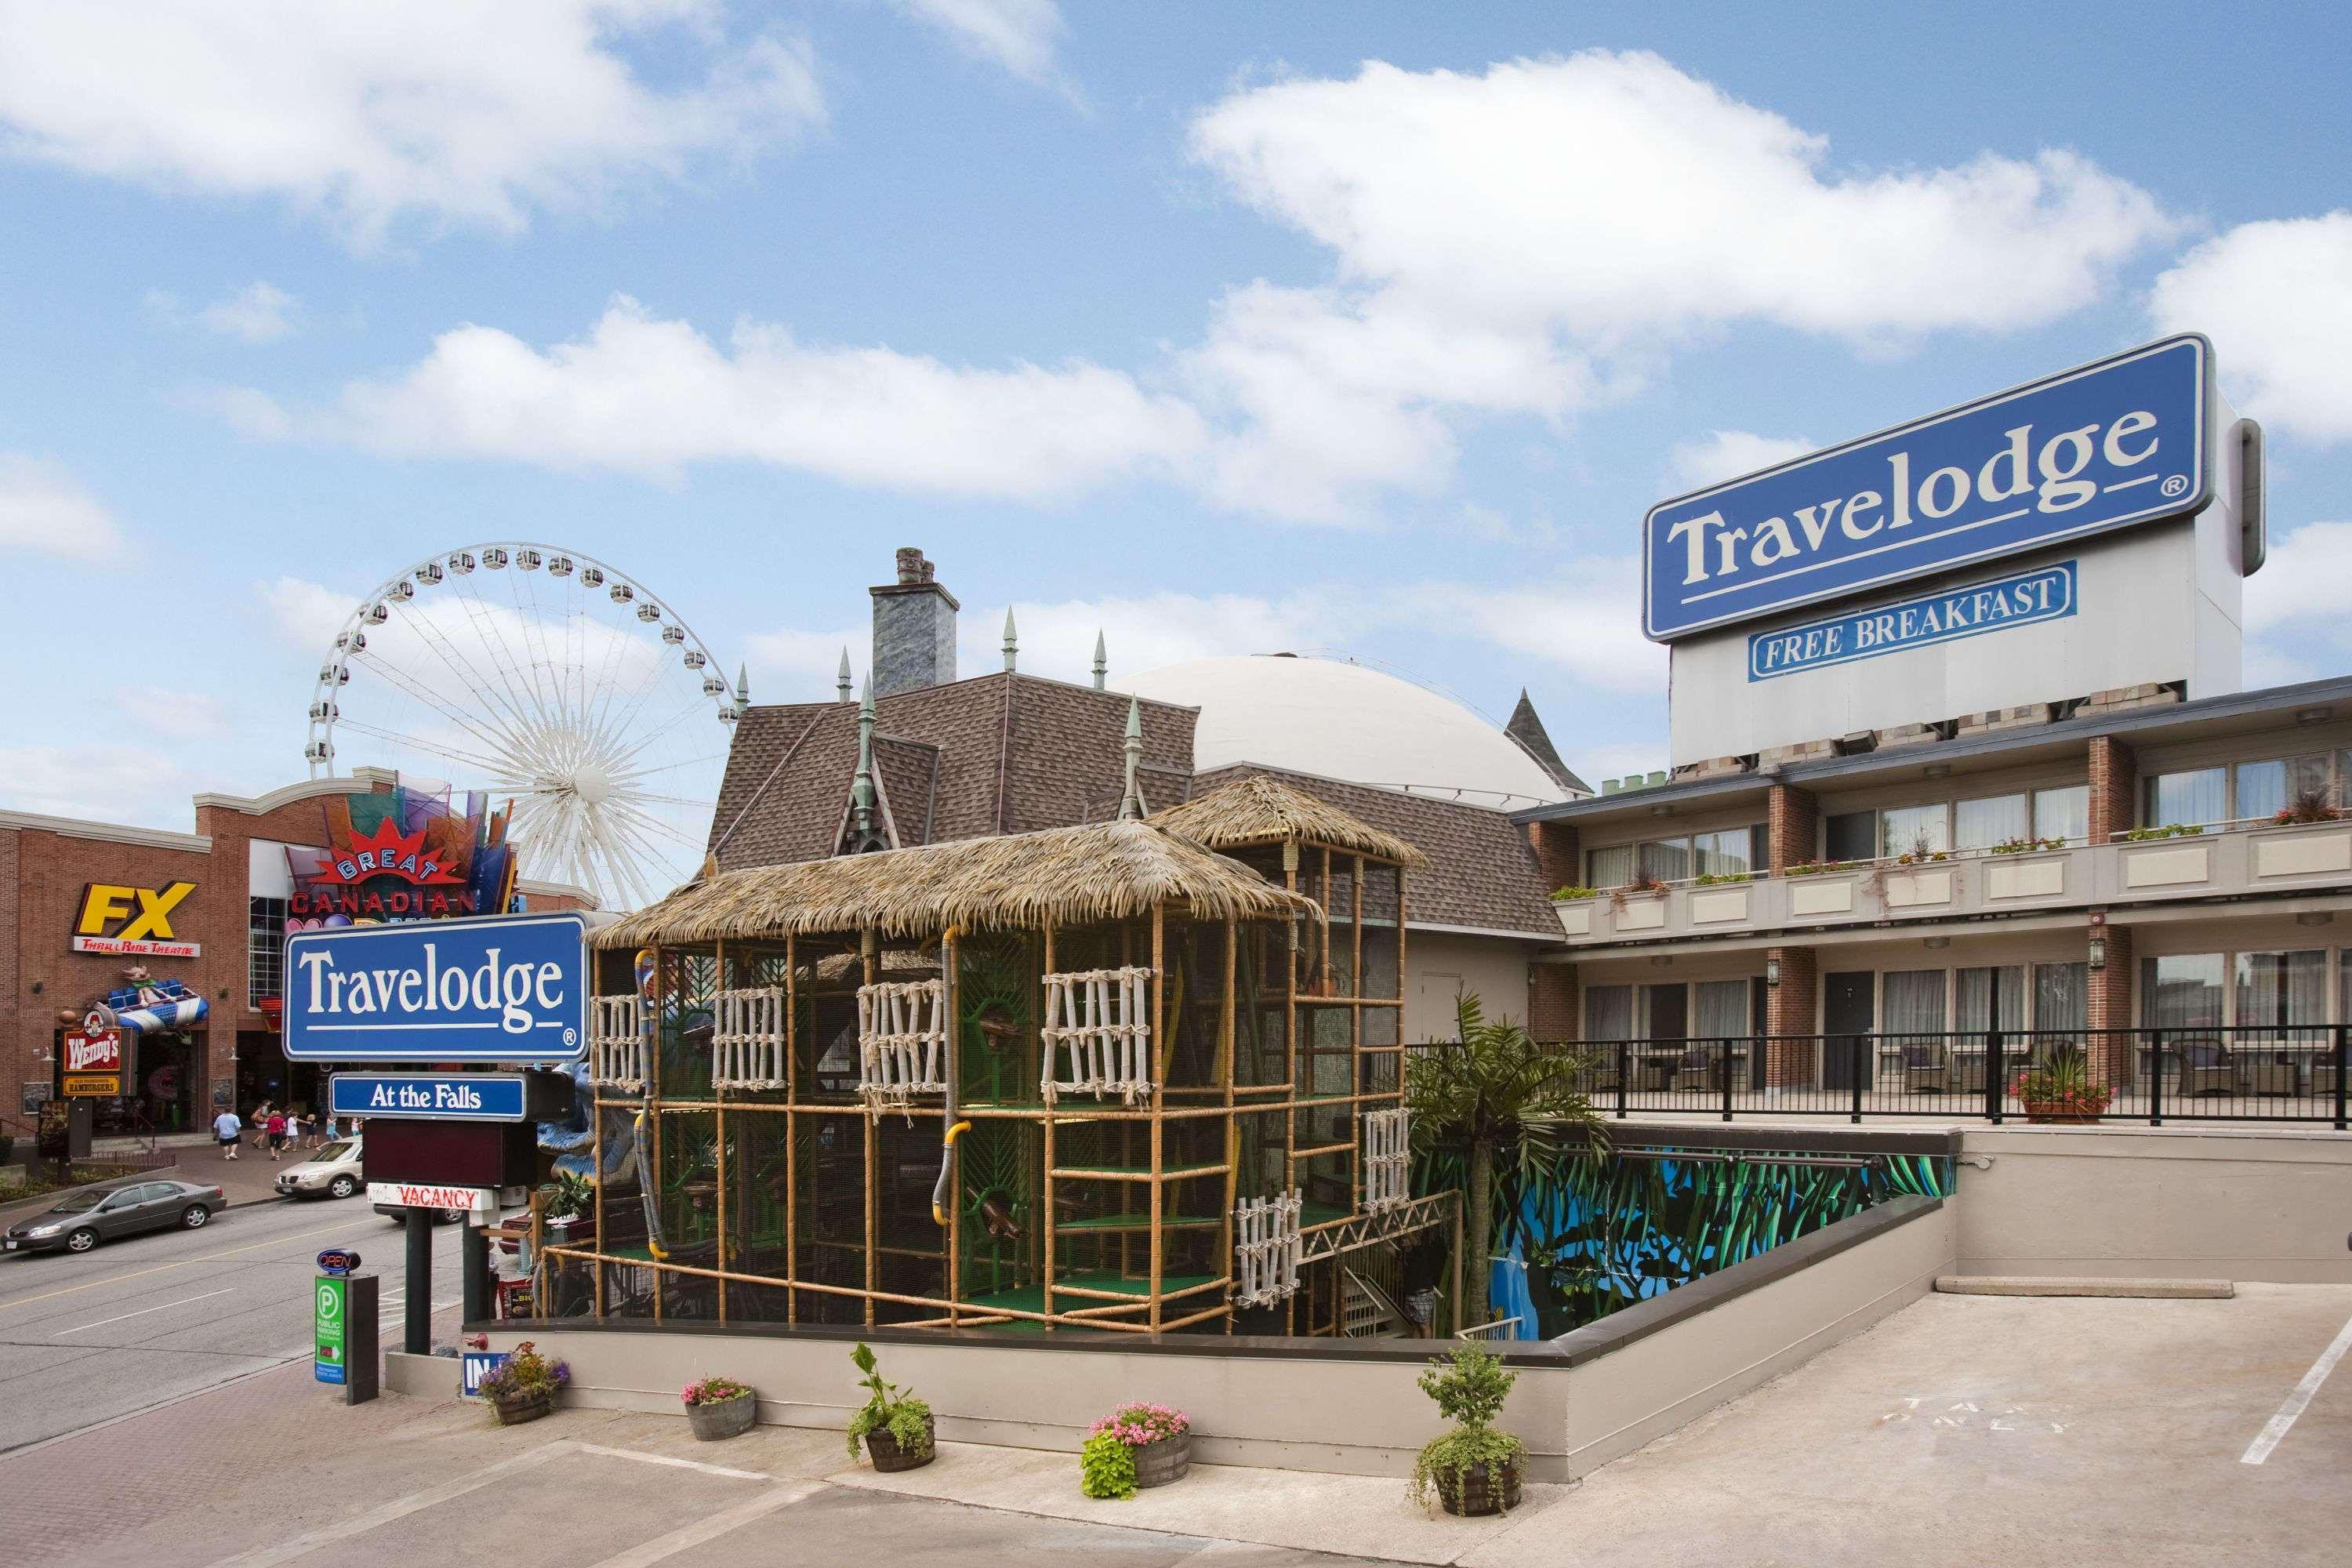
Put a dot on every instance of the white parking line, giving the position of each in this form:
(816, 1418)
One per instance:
(710, 1528)
(144, 1310)
(399, 1507)
(679, 1463)
(2277, 1427)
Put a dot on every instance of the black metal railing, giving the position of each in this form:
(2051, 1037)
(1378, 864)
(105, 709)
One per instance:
(2241, 1073)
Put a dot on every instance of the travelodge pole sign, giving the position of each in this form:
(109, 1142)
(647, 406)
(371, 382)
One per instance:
(2101, 448)
(498, 988)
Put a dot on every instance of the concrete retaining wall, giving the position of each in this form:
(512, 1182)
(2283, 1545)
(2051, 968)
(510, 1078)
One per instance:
(1346, 1406)
(2270, 1205)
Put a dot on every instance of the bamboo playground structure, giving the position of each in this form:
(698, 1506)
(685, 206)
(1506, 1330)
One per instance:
(1110, 1077)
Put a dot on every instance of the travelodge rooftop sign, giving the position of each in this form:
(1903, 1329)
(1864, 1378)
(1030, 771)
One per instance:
(2104, 447)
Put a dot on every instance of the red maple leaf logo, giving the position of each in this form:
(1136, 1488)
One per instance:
(388, 852)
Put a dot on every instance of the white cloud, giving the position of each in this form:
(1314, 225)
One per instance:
(490, 111)
(647, 395)
(1019, 34)
(1533, 238)
(1584, 620)
(1726, 453)
(44, 510)
(102, 782)
(258, 313)
(2308, 575)
(2276, 300)
(304, 613)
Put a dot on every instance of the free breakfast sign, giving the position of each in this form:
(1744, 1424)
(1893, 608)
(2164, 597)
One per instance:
(496, 988)
(2046, 595)
(2119, 442)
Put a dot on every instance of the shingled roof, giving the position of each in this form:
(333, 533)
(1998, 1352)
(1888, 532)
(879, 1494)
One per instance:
(998, 753)
(1481, 873)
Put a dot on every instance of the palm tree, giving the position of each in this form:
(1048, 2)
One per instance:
(1495, 1089)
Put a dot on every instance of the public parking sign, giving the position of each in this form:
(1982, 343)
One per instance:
(331, 1301)
(500, 988)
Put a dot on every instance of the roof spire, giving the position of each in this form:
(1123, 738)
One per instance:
(864, 831)
(841, 681)
(1130, 804)
(1012, 641)
(742, 686)
(1102, 664)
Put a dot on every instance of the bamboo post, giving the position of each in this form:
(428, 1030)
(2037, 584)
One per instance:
(1052, 1245)
(791, 1132)
(869, 951)
(719, 1123)
(1356, 1045)
(1290, 1057)
(653, 1117)
(1233, 1129)
(1159, 1090)
(950, 1069)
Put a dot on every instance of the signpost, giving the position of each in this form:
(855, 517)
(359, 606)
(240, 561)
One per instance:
(499, 988)
(343, 1326)
(471, 1097)
(2105, 447)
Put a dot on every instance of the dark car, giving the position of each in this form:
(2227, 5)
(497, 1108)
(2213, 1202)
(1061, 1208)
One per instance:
(82, 1220)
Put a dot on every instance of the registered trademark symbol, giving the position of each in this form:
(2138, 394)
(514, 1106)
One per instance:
(2175, 484)
(571, 1037)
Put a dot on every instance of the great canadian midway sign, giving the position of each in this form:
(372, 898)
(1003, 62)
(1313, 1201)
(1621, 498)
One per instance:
(2106, 447)
(496, 988)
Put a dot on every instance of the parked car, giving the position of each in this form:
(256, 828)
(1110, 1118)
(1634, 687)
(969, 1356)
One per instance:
(332, 1173)
(82, 1220)
(399, 1216)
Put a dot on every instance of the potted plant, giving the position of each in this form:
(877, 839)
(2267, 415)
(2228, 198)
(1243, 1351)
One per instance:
(719, 1407)
(1473, 1469)
(897, 1426)
(1157, 1444)
(2307, 807)
(571, 1208)
(2061, 1090)
(1574, 893)
(523, 1387)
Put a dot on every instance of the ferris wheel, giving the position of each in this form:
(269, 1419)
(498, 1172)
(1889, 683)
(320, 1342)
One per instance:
(547, 677)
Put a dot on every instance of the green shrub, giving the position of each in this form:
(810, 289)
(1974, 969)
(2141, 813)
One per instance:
(1106, 1468)
(1469, 1391)
(890, 1408)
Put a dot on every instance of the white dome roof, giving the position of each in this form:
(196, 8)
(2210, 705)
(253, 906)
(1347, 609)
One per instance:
(1345, 722)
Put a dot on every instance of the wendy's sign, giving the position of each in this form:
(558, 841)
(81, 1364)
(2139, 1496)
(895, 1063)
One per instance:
(2105, 447)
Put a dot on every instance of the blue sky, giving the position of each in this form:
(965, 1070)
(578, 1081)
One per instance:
(1227, 328)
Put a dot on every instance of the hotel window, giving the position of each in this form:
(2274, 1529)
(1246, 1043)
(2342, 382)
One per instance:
(2264, 789)
(2196, 797)
(2062, 997)
(265, 949)
(1608, 1013)
(2286, 992)
(1914, 1003)
(1733, 851)
(2184, 991)
(2063, 813)
(2244, 793)
(1987, 998)
(1852, 836)
(1993, 819)
(1722, 1010)
(1905, 830)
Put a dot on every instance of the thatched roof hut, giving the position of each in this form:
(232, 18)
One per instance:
(1062, 876)
(1261, 810)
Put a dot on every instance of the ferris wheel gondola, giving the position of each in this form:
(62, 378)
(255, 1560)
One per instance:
(548, 678)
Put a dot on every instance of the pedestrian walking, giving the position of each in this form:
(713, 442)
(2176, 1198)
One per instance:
(225, 1127)
(277, 1126)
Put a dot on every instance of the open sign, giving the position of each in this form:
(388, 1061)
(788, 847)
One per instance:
(337, 1260)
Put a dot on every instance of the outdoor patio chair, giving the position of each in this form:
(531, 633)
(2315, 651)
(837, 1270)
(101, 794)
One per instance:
(2323, 1079)
(2268, 1072)
(1927, 1067)
(1654, 1069)
(2204, 1068)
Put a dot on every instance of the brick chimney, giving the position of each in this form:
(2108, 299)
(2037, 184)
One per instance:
(914, 629)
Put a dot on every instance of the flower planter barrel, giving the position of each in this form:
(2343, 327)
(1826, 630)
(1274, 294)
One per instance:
(1169, 1460)
(515, 1412)
(1480, 1489)
(723, 1418)
(888, 1457)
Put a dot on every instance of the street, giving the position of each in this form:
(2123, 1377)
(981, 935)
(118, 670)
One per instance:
(153, 1319)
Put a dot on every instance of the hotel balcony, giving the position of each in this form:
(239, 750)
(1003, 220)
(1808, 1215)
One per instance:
(2225, 860)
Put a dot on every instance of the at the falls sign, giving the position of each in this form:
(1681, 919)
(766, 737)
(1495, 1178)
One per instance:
(2110, 444)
